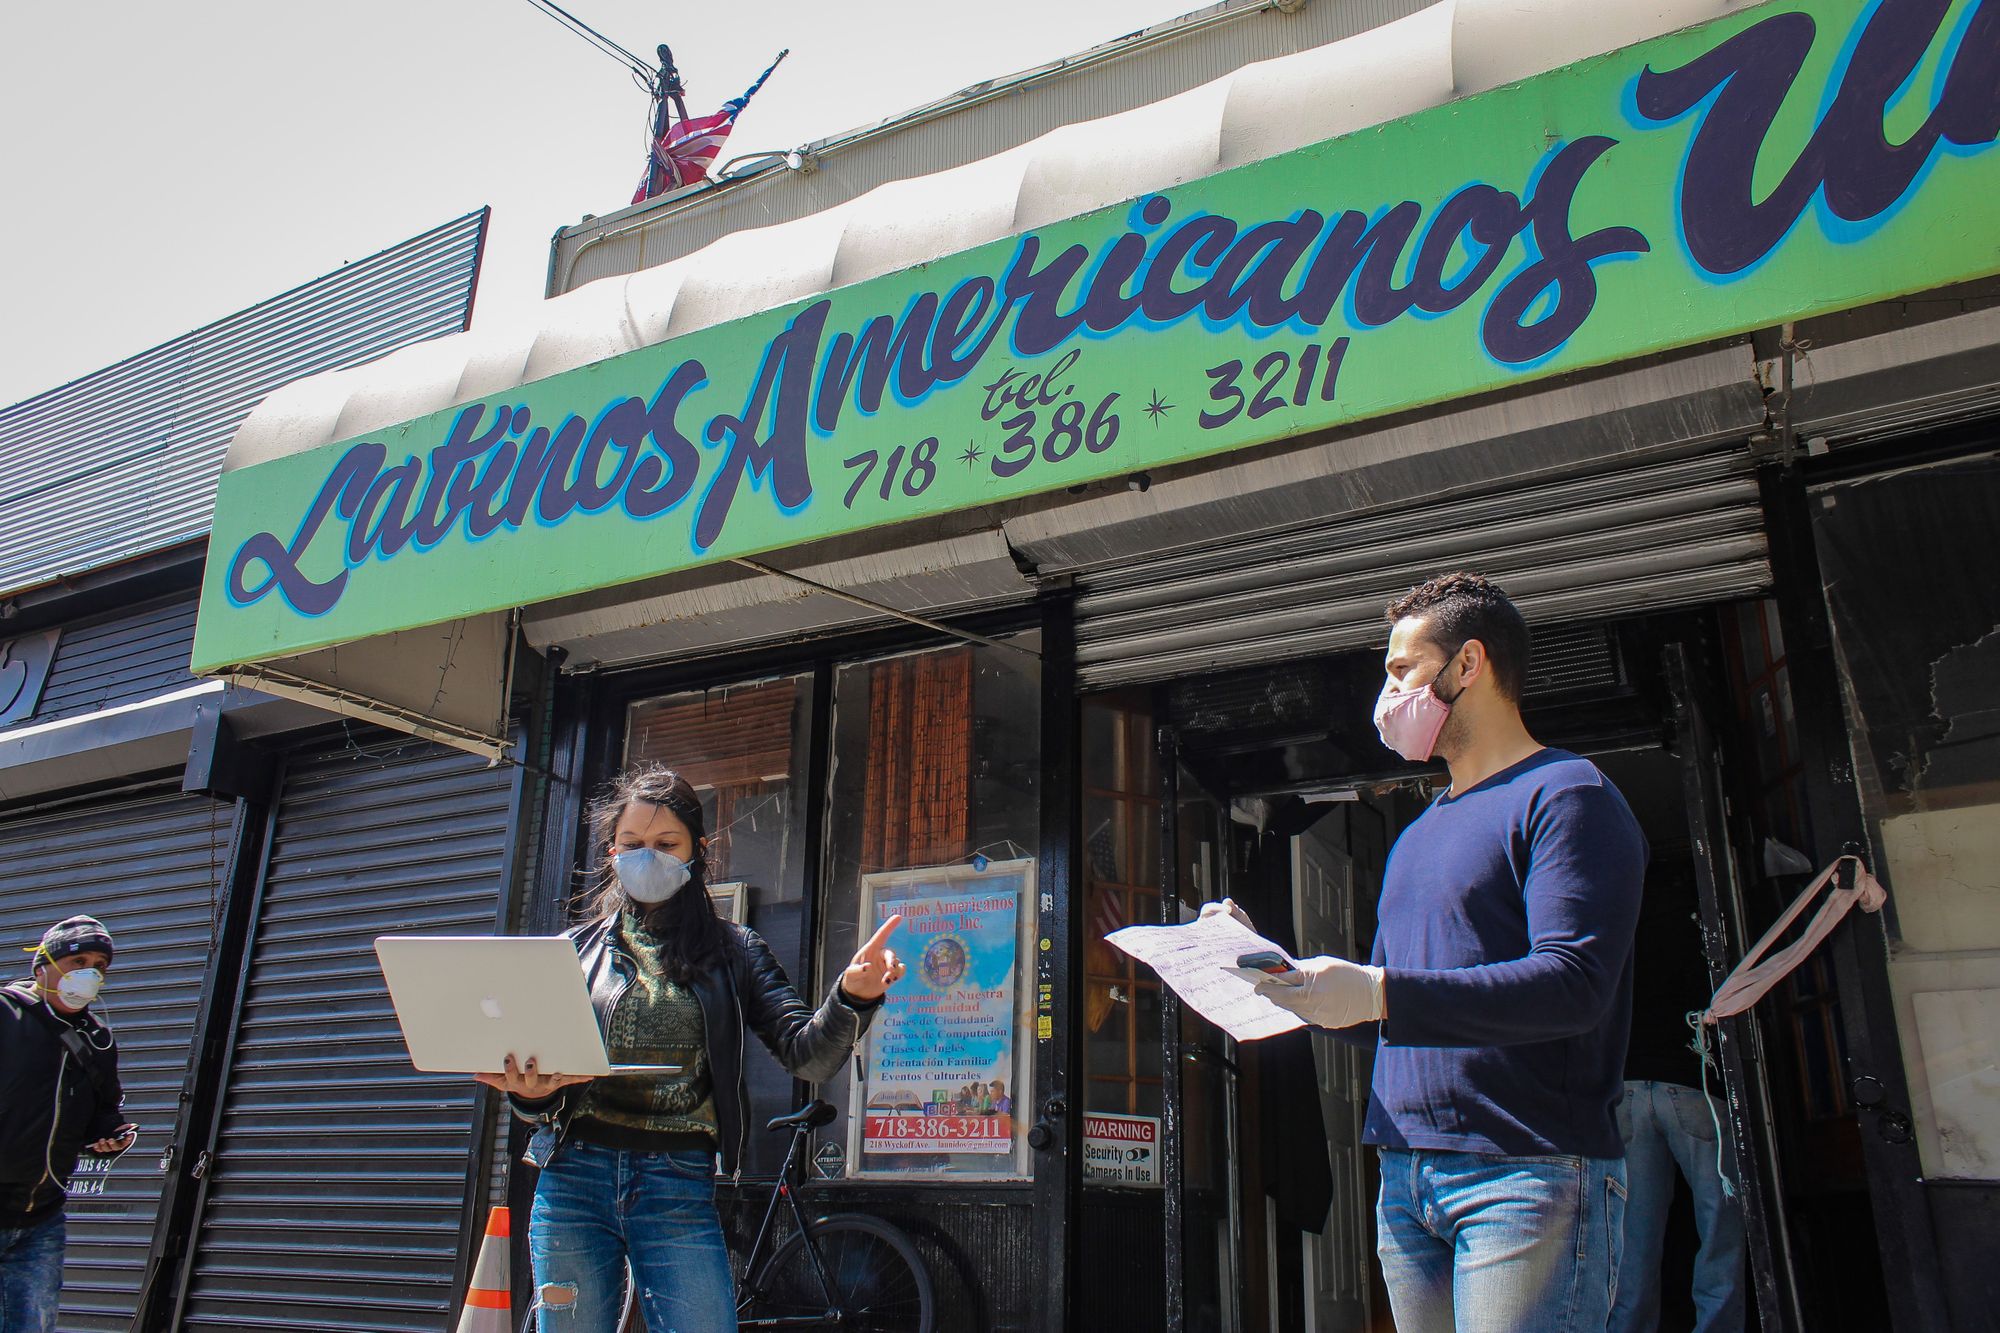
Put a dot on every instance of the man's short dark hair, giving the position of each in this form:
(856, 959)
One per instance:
(1457, 608)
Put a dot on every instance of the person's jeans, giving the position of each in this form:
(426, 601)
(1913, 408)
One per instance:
(1666, 1126)
(1481, 1242)
(597, 1207)
(31, 1275)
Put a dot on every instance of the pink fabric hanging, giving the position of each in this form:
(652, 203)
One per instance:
(1753, 978)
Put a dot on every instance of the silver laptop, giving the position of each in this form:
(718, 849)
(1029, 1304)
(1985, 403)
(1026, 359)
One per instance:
(468, 1001)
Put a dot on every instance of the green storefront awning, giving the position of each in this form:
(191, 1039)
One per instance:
(1782, 161)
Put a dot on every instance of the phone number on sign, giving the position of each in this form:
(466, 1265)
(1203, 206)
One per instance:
(938, 1133)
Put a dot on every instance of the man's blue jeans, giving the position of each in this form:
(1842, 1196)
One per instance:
(597, 1207)
(1665, 1127)
(1480, 1243)
(31, 1275)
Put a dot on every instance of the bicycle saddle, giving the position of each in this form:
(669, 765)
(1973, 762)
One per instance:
(810, 1116)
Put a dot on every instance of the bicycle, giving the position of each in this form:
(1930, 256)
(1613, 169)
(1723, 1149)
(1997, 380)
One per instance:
(841, 1270)
(838, 1271)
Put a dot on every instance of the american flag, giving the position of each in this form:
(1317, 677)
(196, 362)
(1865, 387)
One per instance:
(1110, 911)
(687, 150)
(1103, 851)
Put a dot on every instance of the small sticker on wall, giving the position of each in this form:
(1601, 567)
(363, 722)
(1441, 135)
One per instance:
(830, 1161)
(1045, 1028)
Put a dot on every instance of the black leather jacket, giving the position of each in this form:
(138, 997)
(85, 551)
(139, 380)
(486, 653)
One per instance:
(748, 992)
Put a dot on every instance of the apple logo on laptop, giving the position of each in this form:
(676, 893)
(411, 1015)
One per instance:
(490, 1007)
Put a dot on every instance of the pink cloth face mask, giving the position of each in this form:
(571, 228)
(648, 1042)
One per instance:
(1409, 721)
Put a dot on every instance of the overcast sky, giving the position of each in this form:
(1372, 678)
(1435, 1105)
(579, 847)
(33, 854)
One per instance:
(166, 165)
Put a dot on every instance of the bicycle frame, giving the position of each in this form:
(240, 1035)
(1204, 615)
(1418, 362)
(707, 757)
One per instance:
(762, 1251)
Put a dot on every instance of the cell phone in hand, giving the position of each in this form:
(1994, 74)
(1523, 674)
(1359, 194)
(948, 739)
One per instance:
(116, 1135)
(1267, 965)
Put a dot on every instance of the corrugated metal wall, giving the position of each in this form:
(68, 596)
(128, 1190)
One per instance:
(119, 658)
(1635, 540)
(976, 123)
(124, 461)
(149, 864)
(340, 1175)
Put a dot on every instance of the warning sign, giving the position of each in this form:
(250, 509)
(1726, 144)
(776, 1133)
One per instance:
(1121, 1149)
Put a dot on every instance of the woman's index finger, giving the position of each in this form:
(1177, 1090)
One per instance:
(880, 939)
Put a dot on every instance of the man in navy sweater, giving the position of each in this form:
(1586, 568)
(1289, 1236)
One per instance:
(1499, 993)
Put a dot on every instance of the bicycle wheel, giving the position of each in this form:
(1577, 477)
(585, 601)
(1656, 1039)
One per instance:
(880, 1284)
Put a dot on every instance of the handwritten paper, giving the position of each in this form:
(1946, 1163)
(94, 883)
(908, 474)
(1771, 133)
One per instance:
(1192, 960)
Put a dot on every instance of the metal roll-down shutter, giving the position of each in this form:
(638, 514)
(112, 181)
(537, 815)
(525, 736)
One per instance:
(339, 1174)
(1642, 539)
(148, 864)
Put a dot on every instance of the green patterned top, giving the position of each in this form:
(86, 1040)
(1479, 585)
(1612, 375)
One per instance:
(656, 1023)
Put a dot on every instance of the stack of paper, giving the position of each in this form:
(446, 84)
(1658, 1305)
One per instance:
(1195, 959)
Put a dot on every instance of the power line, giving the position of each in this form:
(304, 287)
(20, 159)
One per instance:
(593, 36)
(639, 67)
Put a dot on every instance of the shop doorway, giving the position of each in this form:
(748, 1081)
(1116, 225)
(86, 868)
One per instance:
(1302, 811)
(1335, 1292)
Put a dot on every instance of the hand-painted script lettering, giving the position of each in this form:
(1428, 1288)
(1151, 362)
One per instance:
(1291, 302)
(1849, 161)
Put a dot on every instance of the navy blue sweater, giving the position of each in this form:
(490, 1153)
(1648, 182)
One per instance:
(1506, 930)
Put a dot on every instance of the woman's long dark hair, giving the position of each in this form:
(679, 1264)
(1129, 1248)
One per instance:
(686, 923)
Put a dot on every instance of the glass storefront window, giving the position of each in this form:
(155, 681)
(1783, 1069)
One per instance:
(933, 813)
(739, 747)
(743, 747)
(1121, 878)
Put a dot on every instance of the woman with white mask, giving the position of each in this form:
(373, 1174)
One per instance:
(628, 1163)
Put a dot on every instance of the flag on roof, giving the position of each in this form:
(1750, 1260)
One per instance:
(684, 154)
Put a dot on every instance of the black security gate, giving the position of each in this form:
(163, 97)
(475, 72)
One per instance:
(149, 863)
(337, 1179)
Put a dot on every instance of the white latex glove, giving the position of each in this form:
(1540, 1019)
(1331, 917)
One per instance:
(1335, 993)
(1228, 907)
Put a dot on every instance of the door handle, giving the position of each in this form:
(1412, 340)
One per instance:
(1042, 1134)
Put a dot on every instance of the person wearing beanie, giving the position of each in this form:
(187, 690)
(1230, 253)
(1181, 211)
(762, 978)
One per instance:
(59, 1062)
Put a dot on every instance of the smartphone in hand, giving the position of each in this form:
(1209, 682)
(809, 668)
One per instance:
(114, 1136)
(1267, 965)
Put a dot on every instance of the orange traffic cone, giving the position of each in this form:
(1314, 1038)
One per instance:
(489, 1298)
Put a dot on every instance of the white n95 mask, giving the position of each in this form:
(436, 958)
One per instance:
(80, 987)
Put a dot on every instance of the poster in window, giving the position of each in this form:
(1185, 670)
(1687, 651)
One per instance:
(938, 1066)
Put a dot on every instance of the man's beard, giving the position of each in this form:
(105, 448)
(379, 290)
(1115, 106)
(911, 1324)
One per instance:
(1452, 737)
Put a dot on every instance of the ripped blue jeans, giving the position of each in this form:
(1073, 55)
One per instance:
(595, 1208)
